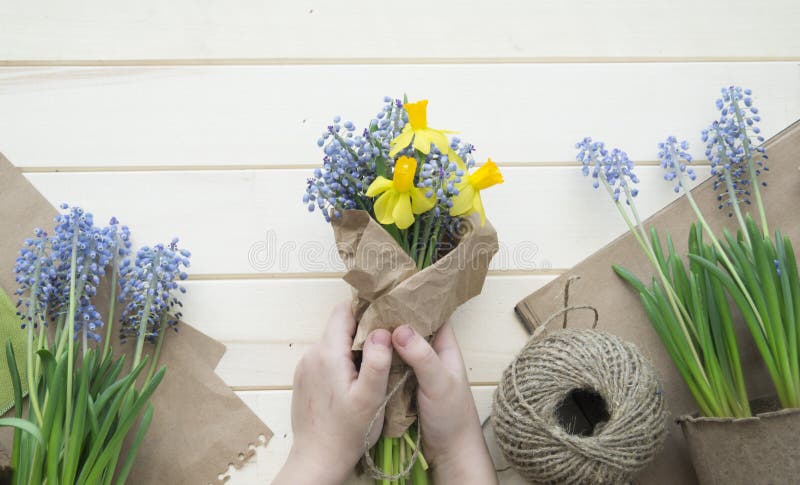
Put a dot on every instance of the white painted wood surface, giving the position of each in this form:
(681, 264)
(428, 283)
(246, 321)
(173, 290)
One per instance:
(198, 118)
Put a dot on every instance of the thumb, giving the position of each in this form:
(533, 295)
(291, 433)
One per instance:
(375, 363)
(417, 352)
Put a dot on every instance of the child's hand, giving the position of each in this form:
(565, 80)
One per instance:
(451, 431)
(333, 404)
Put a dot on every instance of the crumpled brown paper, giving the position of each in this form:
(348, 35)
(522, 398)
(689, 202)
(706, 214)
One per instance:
(389, 290)
(199, 425)
(621, 311)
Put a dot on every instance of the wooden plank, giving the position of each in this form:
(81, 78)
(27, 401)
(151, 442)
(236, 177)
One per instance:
(253, 222)
(274, 408)
(268, 325)
(208, 31)
(127, 118)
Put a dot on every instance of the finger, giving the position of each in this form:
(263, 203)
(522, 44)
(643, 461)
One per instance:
(370, 386)
(417, 352)
(446, 347)
(338, 336)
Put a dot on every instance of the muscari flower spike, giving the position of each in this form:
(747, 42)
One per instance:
(731, 144)
(675, 159)
(350, 160)
(75, 231)
(614, 168)
(148, 283)
(36, 277)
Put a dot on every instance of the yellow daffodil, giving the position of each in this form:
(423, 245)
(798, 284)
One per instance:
(400, 199)
(418, 132)
(468, 199)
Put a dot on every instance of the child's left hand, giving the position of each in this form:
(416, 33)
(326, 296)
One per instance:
(333, 403)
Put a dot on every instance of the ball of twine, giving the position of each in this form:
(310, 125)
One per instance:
(540, 379)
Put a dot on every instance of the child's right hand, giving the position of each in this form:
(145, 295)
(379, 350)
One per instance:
(451, 430)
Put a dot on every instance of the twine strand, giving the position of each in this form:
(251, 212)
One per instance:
(373, 470)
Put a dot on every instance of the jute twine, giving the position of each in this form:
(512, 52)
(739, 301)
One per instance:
(369, 463)
(544, 374)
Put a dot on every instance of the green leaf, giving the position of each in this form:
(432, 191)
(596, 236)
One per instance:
(24, 425)
(127, 421)
(128, 464)
(17, 385)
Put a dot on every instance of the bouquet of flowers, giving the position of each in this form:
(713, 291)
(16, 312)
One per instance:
(691, 306)
(405, 203)
(84, 400)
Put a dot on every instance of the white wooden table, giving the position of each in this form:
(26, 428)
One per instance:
(199, 119)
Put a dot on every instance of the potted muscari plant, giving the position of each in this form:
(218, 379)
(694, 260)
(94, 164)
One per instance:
(695, 303)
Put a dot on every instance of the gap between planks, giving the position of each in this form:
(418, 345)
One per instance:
(336, 275)
(235, 167)
(311, 61)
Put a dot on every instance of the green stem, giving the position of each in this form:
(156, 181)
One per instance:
(162, 330)
(425, 235)
(386, 465)
(111, 302)
(148, 302)
(748, 152)
(70, 324)
(433, 245)
(415, 242)
(30, 371)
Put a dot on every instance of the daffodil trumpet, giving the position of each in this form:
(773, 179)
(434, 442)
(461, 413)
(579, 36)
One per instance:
(419, 184)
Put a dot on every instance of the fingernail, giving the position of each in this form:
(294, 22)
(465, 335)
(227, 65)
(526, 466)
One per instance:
(403, 335)
(381, 337)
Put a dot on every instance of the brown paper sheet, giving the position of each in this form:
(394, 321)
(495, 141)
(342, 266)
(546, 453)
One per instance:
(389, 291)
(621, 312)
(199, 426)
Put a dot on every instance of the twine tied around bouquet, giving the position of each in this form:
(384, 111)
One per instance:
(373, 470)
(540, 380)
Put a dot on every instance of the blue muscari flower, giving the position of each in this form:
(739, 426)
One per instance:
(36, 277)
(614, 167)
(149, 283)
(93, 250)
(732, 141)
(731, 146)
(675, 159)
(350, 160)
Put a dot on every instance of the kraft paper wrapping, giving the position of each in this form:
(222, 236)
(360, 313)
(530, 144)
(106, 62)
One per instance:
(621, 312)
(389, 290)
(199, 426)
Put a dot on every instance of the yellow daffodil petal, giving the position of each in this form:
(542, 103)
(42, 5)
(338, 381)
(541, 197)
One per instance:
(417, 114)
(424, 138)
(384, 207)
(378, 186)
(453, 157)
(486, 176)
(462, 203)
(402, 214)
(402, 141)
(420, 203)
(404, 170)
(477, 206)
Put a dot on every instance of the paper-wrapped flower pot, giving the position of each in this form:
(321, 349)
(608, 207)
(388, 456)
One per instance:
(762, 449)
(389, 290)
